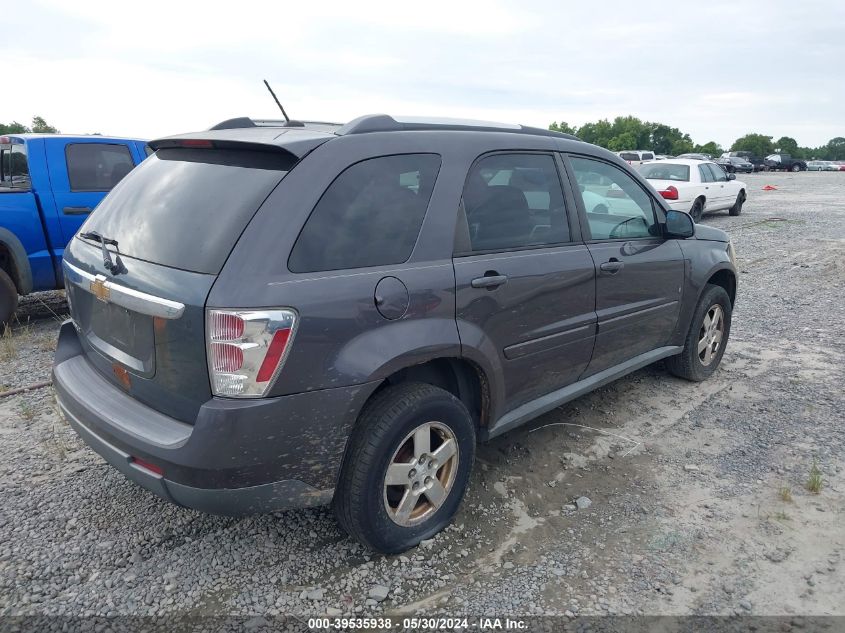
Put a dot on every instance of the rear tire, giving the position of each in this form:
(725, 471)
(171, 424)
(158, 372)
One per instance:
(8, 299)
(737, 208)
(697, 210)
(402, 433)
(796, 168)
(702, 351)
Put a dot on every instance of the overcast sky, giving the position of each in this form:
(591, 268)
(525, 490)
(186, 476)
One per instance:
(714, 69)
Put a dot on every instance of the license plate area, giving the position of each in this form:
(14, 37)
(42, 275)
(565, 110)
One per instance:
(119, 334)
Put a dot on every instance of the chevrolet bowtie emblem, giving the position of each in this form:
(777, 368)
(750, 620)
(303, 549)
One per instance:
(99, 289)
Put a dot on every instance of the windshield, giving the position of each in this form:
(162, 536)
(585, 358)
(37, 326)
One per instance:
(665, 171)
(186, 208)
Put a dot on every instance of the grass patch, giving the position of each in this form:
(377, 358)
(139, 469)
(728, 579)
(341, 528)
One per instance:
(8, 345)
(781, 516)
(785, 494)
(27, 411)
(814, 481)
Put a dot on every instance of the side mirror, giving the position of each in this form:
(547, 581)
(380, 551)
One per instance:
(679, 224)
(731, 176)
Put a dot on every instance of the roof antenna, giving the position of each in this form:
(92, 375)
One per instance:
(284, 114)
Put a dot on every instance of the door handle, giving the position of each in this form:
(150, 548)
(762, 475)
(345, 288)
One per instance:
(76, 210)
(490, 281)
(612, 267)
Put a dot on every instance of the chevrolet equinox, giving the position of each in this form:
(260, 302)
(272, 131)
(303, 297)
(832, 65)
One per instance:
(271, 315)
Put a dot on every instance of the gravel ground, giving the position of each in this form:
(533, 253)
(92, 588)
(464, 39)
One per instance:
(694, 494)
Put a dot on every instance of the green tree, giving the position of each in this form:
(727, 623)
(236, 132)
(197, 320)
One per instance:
(563, 126)
(41, 126)
(757, 144)
(835, 149)
(789, 146)
(598, 133)
(712, 148)
(13, 128)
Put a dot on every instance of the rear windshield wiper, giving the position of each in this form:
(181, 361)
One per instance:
(114, 267)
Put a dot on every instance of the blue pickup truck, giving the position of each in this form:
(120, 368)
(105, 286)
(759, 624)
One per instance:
(49, 183)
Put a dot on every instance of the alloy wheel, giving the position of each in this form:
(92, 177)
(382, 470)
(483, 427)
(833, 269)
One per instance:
(711, 334)
(421, 474)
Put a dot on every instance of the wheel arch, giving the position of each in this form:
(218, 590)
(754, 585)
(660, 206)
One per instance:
(725, 278)
(13, 260)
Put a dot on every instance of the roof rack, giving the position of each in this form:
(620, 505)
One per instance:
(246, 122)
(387, 123)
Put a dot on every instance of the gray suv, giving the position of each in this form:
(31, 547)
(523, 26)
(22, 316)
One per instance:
(267, 316)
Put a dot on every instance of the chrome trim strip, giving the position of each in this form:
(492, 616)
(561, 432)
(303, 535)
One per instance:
(128, 298)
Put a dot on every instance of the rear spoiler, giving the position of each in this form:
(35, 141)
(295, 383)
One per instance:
(294, 141)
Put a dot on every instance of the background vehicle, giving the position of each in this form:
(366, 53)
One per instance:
(829, 165)
(758, 162)
(733, 164)
(815, 165)
(695, 186)
(785, 162)
(694, 156)
(636, 157)
(48, 185)
(432, 283)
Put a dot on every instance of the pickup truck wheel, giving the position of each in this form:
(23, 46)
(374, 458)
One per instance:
(796, 167)
(8, 299)
(406, 467)
(737, 208)
(707, 336)
(697, 210)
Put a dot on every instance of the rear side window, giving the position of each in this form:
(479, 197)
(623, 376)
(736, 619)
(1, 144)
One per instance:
(705, 173)
(629, 156)
(648, 156)
(186, 208)
(514, 201)
(14, 167)
(97, 166)
(369, 216)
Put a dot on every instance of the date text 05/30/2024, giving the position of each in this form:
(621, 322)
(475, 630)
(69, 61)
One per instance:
(418, 624)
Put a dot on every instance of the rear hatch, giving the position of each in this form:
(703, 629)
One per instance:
(139, 306)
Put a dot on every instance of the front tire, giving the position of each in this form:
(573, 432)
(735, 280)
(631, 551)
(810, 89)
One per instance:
(737, 208)
(708, 335)
(406, 468)
(8, 299)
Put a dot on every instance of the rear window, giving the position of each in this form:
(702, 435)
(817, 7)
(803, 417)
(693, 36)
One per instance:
(186, 208)
(664, 171)
(14, 167)
(369, 216)
(97, 166)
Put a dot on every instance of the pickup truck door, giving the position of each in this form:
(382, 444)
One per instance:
(82, 172)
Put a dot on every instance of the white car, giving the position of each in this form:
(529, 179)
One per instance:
(695, 186)
(635, 156)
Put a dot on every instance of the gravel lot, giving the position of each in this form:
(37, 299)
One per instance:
(697, 493)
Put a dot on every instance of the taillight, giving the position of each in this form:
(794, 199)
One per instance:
(246, 349)
(670, 193)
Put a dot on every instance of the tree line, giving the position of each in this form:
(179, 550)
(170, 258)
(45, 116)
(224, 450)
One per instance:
(38, 125)
(629, 132)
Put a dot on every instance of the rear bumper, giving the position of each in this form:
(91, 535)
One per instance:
(239, 457)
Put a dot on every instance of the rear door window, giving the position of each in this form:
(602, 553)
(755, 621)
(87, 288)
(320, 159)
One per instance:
(369, 216)
(14, 167)
(705, 173)
(719, 174)
(97, 166)
(186, 208)
(514, 201)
